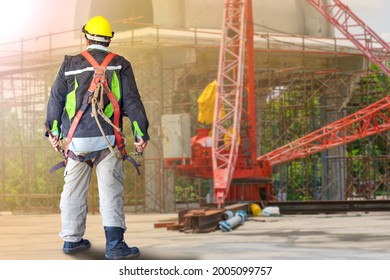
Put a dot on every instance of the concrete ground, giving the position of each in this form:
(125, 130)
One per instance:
(350, 236)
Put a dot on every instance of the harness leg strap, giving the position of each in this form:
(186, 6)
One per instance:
(133, 162)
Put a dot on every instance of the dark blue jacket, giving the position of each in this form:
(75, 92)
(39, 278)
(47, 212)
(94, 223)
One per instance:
(70, 86)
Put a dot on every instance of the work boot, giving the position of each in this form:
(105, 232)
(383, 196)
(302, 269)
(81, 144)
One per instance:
(116, 248)
(74, 247)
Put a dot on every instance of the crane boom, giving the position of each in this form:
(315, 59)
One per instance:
(371, 120)
(357, 31)
(368, 121)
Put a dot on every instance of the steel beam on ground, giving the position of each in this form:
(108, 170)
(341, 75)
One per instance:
(330, 207)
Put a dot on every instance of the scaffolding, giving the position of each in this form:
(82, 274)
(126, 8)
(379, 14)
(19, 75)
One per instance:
(301, 85)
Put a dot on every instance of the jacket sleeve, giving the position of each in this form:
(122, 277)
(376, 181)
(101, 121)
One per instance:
(56, 102)
(132, 103)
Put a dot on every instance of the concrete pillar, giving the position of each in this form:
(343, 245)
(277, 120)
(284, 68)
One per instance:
(156, 88)
(315, 23)
(148, 76)
(333, 165)
(171, 58)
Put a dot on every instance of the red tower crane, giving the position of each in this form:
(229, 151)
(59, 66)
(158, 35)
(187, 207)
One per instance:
(371, 120)
(231, 161)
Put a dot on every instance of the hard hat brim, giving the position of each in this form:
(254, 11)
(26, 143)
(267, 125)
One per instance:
(96, 37)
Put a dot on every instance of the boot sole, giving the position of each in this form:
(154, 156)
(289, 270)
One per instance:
(75, 251)
(122, 258)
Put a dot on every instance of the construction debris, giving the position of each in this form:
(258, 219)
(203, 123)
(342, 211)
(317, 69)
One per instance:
(203, 220)
(238, 219)
(270, 211)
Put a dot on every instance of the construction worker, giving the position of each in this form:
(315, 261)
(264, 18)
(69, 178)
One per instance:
(91, 141)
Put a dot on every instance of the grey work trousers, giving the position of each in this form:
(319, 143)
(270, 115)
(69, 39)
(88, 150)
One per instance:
(73, 204)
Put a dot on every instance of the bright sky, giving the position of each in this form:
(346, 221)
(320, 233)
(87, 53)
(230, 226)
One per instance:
(30, 18)
(375, 13)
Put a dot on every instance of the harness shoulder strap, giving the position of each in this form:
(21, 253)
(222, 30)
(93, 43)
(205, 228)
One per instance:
(76, 121)
(101, 69)
(88, 56)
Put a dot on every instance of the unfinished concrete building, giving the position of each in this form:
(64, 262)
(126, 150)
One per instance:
(305, 79)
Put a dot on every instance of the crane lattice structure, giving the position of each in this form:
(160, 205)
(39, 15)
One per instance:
(227, 140)
(357, 31)
(236, 43)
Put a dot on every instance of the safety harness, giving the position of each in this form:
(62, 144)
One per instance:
(94, 97)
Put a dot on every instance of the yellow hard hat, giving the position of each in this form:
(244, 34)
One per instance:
(98, 29)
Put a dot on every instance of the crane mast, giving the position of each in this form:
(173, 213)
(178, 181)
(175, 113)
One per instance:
(233, 80)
